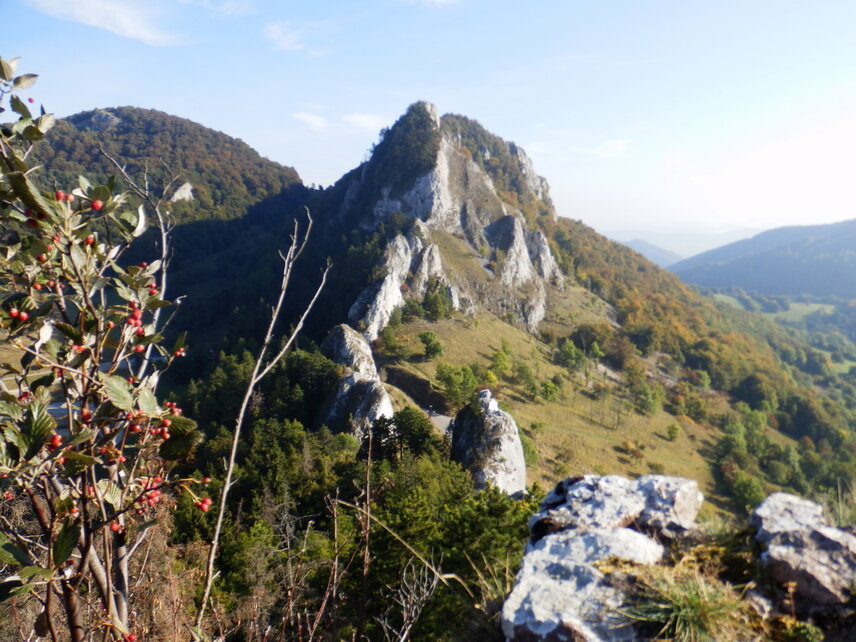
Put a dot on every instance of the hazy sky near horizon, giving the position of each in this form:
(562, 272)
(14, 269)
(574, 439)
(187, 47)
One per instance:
(642, 115)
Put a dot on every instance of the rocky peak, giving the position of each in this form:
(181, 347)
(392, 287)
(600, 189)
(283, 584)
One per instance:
(486, 441)
(97, 120)
(436, 171)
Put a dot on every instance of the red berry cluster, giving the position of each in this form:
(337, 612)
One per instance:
(203, 504)
(173, 408)
(151, 493)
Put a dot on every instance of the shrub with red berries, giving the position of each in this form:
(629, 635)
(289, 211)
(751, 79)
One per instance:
(84, 440)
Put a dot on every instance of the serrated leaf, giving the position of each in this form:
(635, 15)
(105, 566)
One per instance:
(12, 410)
(148, 403)
(37, 426)
(65, 543)
(180, 425)
(118, 391)
(76, 462)
(81, 436)
(11, 554)
(178, 446)
(111, 493)
(78, 258)
(35, 571)
(24, 81)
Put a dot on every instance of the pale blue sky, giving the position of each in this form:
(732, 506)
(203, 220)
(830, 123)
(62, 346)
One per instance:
(642, 115)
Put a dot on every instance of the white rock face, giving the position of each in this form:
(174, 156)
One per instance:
(666, 505)
(488, 444)
(536, 184)
(803, 548)
(407, 261)
(361, 397)
(458, 197)
(183, 193)
(559, 593)
(543, 259)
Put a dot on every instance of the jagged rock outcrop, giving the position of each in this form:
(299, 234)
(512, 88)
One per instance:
(98, 120)
(407, 262)
(360, 398)
(487, 442)
(802, 547)
(183, 193)
(560, 593)
(456, 196)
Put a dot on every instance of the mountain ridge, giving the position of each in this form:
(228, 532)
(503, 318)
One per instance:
(793, 260)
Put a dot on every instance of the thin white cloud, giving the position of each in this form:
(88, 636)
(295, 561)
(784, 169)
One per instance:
(313, 121)
(226, 8)
(369, 122)
(284, 36)
(126, 18)
(608, 149)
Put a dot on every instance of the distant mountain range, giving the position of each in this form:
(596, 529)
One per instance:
(654, 253)
(810, 259)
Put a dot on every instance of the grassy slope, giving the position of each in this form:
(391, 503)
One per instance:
(579, 435)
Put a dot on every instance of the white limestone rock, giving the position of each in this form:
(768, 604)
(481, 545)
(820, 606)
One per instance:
(487, 443)
(534, 183)
(560, 595)
(803, 548)
(183, 193)
(360, 398)
(542, 258)
(665, 505)
(407, 261)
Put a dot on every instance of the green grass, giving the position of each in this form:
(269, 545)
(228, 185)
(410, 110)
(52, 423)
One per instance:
(688, 607)
(579, 435)
(798, 311)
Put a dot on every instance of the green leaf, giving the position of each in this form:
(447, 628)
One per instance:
(81, 436)
(100, 193)
(11, 554)
(19, 107)
(118, 391)
(41, 382)
(180, 425)
(76, 462)
(148, 403)
(65, 543)
(24, 81)
(84, 183)
(70, 331)
(45, 123)
(111, 493)
(7, 70)
(78, 258)
(13, 587)
(37, 426)
(12, 410)
(177, 446)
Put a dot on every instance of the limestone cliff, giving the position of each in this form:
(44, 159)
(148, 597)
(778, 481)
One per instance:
(360, 397)
(437, 171)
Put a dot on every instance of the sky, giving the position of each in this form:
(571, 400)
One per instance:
(669, 121)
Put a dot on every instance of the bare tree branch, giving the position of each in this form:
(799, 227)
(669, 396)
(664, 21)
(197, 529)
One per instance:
(259, 371)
